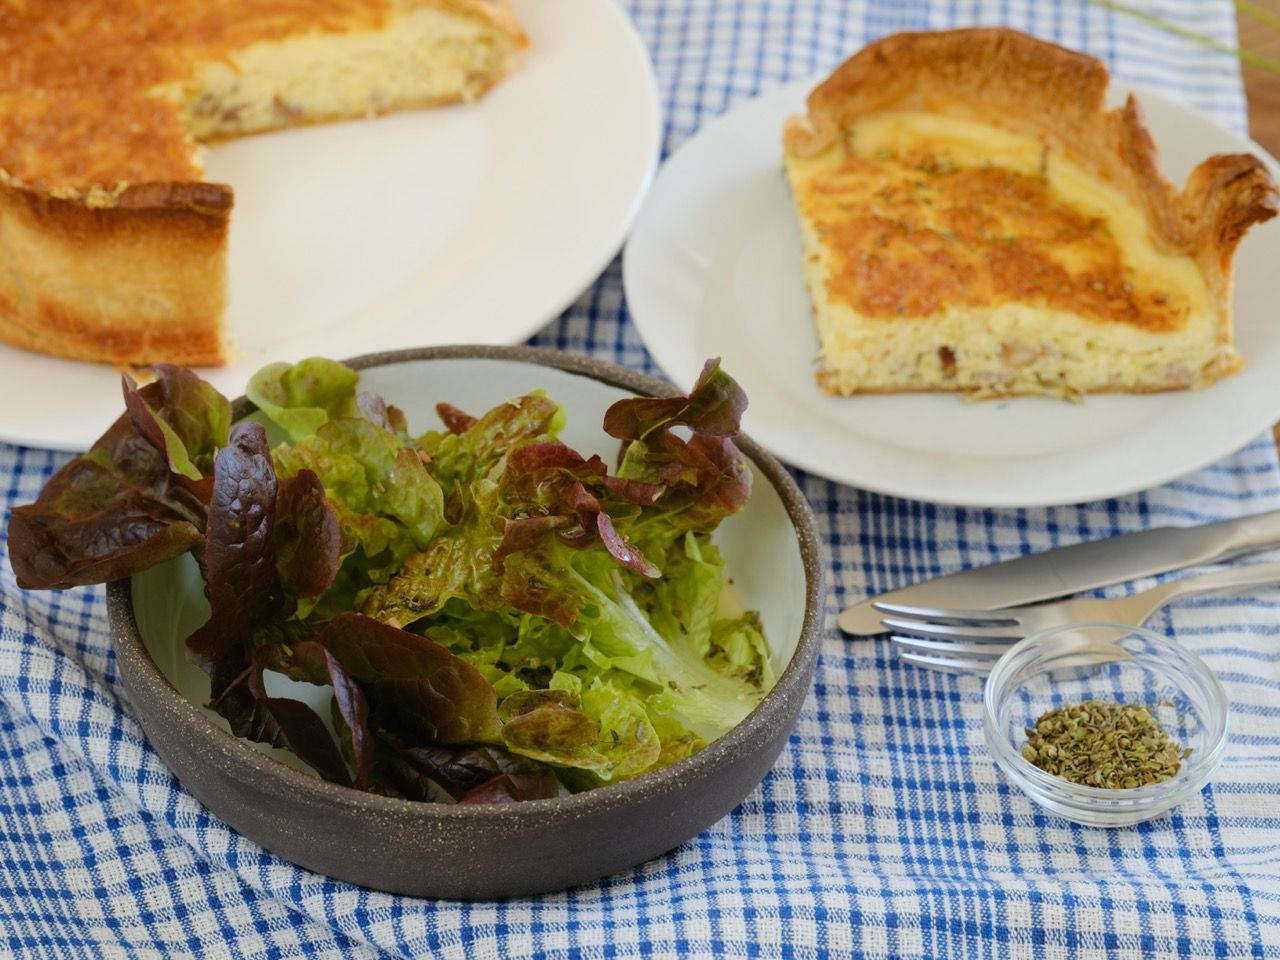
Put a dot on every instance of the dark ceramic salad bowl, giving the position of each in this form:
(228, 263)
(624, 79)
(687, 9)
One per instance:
(465, 850)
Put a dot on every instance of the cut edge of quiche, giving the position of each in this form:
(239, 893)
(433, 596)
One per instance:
(974, 219)
(133, 273)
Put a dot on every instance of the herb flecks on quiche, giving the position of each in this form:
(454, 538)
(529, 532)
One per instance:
(974, 219)
(111, 247)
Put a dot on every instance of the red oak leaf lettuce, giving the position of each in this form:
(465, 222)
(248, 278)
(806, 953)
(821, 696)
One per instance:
(133, 500)
(704, 478)
(432, 694)
(241, 580)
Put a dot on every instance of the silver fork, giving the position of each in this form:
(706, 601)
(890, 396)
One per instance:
(970, 641)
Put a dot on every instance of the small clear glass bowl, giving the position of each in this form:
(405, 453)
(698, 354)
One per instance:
(1109, 662)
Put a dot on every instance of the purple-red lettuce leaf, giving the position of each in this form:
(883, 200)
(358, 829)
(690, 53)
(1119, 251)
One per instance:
(543, 489)
(183, 417)
(241, 580)
(109, 513)
(714, 407)
(512, 788)
(376, 410)
(398, 777)
(454, 420)
(635, 491)
(622, 549)
(307, 539)
(310, 661)
(709, 480)
(413, 683)
(703, 478)
(296, 726)
(268, 543)
(230, 696)
(526, 532)
(537, 472)
(469, 774)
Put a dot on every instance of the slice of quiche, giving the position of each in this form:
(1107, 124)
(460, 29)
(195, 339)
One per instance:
(974, 219)
(111, 247)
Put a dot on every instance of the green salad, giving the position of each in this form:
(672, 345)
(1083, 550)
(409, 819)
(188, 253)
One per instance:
(499, 617)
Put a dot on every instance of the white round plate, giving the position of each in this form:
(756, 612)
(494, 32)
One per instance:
(475, 224)
(713, 268)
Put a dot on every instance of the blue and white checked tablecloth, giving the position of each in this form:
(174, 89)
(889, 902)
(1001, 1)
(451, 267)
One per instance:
(884, 830)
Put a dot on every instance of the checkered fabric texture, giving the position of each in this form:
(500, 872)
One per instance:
(884, 829)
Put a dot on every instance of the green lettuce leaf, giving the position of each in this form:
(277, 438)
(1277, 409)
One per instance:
(587, 593)
(451, 568)
(738, 649)
(367, 470)
(302, 397)
(604, 732)
(386, 503)
(459, 459)
(685, 600)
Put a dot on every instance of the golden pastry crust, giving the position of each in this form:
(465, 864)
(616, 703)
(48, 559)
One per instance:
(111, 248)
(1056, 97)
(136, 281)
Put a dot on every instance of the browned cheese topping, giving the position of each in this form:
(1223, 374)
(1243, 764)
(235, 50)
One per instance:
(909, 234)
(75, 74)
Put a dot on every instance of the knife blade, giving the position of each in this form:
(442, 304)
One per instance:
(1063, 571)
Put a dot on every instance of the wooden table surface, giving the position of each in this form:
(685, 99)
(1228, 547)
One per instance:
(1262, 88)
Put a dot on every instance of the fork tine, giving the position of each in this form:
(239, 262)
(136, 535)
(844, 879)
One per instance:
(942, 615)
(955, 631)
(982, 649)
(946, 664)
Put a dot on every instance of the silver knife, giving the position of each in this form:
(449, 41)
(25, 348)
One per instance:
(1063, 571)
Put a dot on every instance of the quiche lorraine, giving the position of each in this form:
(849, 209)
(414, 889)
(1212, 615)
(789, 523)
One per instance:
(975, 219)
(111, 247)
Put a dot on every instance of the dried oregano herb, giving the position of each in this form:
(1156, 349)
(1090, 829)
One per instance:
(1099, 744)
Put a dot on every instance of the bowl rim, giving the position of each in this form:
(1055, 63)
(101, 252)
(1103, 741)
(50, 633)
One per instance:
(1036, 782)
(128, 642)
